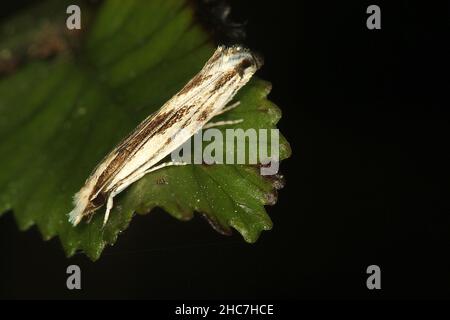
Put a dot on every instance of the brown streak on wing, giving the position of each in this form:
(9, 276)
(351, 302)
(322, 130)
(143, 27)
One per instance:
(161, 122)
(223, 80)
(128, 147)
(143, 129)
(196, 81)
(156, 152)
(176, 117)
(136, 139)
(204, 115)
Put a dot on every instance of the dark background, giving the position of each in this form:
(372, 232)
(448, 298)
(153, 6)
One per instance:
(366, 113)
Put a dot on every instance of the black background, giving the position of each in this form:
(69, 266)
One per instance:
(366, 114)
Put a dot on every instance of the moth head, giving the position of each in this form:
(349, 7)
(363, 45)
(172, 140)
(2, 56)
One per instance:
(241, 59)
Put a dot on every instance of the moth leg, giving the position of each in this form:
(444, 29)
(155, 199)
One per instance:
(163, 165)
(137, 176)
(222, 123)
(109, 205)
(227, 122)
(228, 108)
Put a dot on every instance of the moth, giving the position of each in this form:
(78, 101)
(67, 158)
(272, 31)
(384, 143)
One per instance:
(205, 96)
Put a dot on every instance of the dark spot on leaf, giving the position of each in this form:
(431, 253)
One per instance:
(8, 63)
(271, 197)
(161, 181)
(277, 180)
(217, 226)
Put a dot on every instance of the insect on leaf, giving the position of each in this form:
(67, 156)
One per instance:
(68, 97)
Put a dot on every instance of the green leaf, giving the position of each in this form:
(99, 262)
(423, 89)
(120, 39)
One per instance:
(67, 98)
